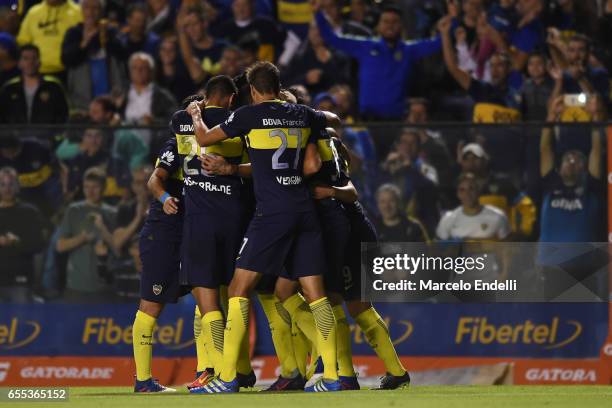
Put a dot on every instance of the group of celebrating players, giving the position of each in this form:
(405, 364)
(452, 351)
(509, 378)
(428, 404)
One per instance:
(258, 199)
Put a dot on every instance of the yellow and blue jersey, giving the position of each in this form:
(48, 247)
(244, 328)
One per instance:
(276, 134)
(206, 192)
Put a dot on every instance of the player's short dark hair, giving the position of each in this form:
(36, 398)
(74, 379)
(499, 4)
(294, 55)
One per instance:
(264, 77)
(29, 47)
(106, 101)
(191, 98)
(221, 85)
(243, 97)
(299, 93)
(95, 174)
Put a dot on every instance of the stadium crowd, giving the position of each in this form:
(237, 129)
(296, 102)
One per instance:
(73, 198)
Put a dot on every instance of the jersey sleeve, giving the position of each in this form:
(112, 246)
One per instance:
(318, 123)
(443, 229)
(236, 125)
(168, 158)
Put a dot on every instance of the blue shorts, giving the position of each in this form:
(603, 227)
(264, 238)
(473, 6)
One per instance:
(210, 247)
(289, 240)
(336, 229)
(160, 255)
(362, 230)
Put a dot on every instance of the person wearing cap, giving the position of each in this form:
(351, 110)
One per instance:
(8, 58)
(471, 220)
(45, 26)
(386, 64)
(498, 190)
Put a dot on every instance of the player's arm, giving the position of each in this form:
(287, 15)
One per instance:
(346, 194)
(156, 185)
(331, 119)
(204, 135)
(450, 60)
(217, 165)
(312, 160)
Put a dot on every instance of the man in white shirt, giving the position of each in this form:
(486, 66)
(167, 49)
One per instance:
(471, 220)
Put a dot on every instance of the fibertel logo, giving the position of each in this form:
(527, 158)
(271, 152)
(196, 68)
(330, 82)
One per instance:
(103, 330)
(18, 333)
(477, 330)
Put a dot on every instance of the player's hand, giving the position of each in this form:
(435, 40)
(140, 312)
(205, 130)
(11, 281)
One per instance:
(321, 191)
(171, 205)
(194, 109)
(214, 164)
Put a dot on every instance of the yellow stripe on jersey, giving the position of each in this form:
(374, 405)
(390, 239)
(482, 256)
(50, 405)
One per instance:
(187, 144)
(268, 139)
(325, 150)
(35, 178)
(227, 148)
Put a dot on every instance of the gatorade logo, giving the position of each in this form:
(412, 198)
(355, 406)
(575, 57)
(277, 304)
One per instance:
(561, 374)
(477, 330)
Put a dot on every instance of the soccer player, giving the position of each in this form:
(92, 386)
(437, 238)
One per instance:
(364, 313)
(160, 246)
(213, 226)
(285, 230)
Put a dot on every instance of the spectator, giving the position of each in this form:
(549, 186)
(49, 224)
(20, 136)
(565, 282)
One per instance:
(37, 169)
(245, 25)
(433, 149)
(572, 207)
(333, 11)
(47, 33)
(9, 19)
(385, 64)
(21, 237)
(126, 145)
(8, 58)
(393, 225)
(85, 237)
(536, 90)
(471, 220)
(579, 76)
(200, 51)
(529, 33)
(416, 179)
(231, 62)
(161, 17)
(94, 153)
(146, 103)
(316, 66)
(32, 98)
(135, 37)
(92, 55)
(131, 215)
(171, 72)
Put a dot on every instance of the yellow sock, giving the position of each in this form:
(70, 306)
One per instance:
(244, 357)
(343, 343)
(326, 336)
(377, 335)
(314, 356)
(236, 329)
(301, 347)
(302, 315)
(142, 341)
(213, 327)
(203, 360)
(280, 328)
(223, 299)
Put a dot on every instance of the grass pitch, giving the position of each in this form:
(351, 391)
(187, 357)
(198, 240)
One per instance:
(414, 397)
